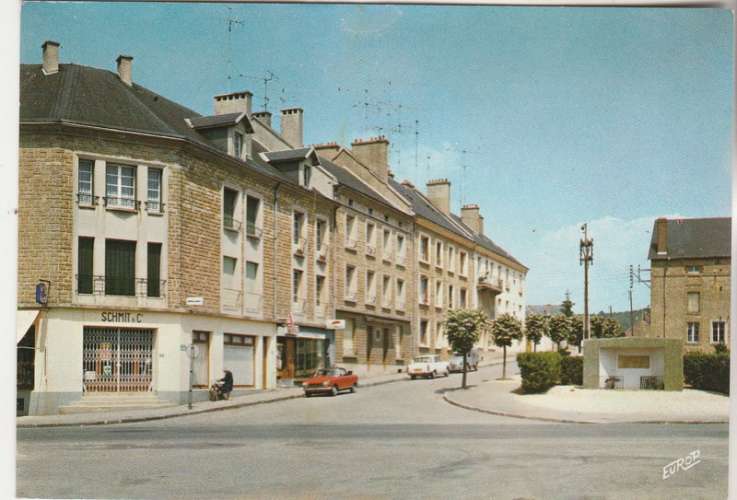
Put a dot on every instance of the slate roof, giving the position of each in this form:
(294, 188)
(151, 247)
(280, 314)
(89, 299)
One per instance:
(695, 239)
(345, 177)
(453, 223)
(287, 155)
(214, 121)
(91, 96)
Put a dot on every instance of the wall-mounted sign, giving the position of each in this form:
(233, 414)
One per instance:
(42, 292)
(195, 301)
(335, 324)
(121, 317)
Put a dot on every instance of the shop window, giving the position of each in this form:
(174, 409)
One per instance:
(120, 267)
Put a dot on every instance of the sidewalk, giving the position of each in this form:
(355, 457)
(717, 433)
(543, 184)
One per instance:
(570, 404)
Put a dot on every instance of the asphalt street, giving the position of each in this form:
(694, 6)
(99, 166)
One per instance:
(398, 440)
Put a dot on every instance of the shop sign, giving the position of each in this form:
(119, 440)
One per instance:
(335, 324)
(195, 301)
(121, 317)
(90, 375)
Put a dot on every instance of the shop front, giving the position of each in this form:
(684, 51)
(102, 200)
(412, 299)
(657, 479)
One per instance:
(300, 354)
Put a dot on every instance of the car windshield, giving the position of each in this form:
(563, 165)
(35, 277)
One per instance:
(327, 372)
(424, 359)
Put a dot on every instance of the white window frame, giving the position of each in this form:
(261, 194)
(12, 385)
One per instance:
(688, 302)
(371, 239)
(350, 229)
(462, 263)
(155, 204)
(451, 259)
(386, 289)
(438, 293)
(439, 255)
(425, 301)
(258, 224)
(420, 246)
(401, 248)
(370, 297)
(86, 198)
(400, 292)
(350, 283)
(689, 332)
(120, 201)
(386, 250)
(321, 249)
(724, 332)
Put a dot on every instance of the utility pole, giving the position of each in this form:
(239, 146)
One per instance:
(632, 317)
(586, 258)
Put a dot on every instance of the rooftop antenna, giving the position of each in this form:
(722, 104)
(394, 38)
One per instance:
(269, 77)
(417, 146)
(232, 22)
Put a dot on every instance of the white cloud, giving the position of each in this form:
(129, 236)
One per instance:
(553, 258)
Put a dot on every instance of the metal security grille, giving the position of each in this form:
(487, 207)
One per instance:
(117, 360)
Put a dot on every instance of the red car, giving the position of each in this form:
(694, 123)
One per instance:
(330, 381)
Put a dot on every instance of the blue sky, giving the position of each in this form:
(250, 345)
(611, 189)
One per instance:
(609, 116)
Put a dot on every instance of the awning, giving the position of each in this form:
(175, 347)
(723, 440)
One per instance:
(23, 321)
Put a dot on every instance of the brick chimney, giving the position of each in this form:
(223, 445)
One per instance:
(374, 153)
(125, 69)
(292, 126)
(661, 234)
(264, 117)
(327, 149)
(471, 216)
(438, 192)
(50, 57)
(236, 102)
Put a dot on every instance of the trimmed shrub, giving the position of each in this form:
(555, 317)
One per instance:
(708, 372)
(571, 370)
(540, 370)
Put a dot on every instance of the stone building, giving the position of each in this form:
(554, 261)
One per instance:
(689, 292)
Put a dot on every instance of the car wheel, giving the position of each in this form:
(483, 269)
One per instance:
(334, 391)
(353, 388)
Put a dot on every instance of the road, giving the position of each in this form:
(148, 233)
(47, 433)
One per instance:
(399, 440)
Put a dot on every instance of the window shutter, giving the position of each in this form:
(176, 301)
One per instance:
(153, 283)
(120, 266)
(85, 254)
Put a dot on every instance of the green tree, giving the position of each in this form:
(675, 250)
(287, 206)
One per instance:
(597, 326)
(463, 328)
(504, 330)
(576, 333)
(612, 328)
(560, 329)
(566, 307)
(536, 327)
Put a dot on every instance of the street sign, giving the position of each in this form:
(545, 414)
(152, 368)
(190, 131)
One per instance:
(335, 324)
(42, 292)
(195, 301)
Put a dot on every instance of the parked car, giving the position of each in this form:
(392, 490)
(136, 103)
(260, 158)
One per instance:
(330, 381)
(429, 365)
(455, 363)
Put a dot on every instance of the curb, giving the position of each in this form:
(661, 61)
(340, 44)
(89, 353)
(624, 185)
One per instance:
(568, 421)
(185, 413)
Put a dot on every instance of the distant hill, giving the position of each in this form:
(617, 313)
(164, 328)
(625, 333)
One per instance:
(546, 310)
(623, 317)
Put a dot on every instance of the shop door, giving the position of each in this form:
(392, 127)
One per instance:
(117, 360)
(238, 356)
(386, 338)
(285, 358)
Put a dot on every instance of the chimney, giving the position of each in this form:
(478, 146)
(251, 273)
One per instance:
(50, 57)
(327, 149)
(471, 216)
(291, 126)
(661, 233)
(236, 102)
(125, 69)
(374, 153)
(438, 192)
(264, 117)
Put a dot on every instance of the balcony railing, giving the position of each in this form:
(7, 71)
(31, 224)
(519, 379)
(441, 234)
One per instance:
(154, 207)
(253, 302)
(232, 299)
(121, 203)
(230, 223)
(253, 230)
(88, 284)
(87, 199)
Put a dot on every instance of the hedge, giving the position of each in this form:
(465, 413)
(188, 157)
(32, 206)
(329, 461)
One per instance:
(540, 370)
(708, 372)
(571, 370)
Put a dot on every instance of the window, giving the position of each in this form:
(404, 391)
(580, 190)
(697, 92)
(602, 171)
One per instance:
(85, 182)
(693, 333)
(462, 303)
(463, 264)
(306, 175)
(229, 265)
(153, 204)
(370, 238)
(298, 226)
(348, 338)
(438, 293)
(296, 285)
(387, 252)
(424, 327)
(153, 281)
(693, 302)
(400, 247)
(386, 291)
(350, 283)
(451, 297)
(321, 233)
(120, 267)
(319, 287)
(350, 222)
(693, 269)
(230, 197)
(400, 294)
(85, 252)
(424, 292)
(370, 287)
(234, 339)
(252, 284)
(439, 253)
(253, 208)
(424, 249)
(238, 145)
(451, 260)
(717, 332)
(120, 187)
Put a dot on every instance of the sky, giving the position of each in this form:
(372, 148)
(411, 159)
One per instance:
(545, 117)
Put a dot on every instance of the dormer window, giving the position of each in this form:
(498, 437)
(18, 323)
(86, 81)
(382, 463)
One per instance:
(238, 144)
(306, 174)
